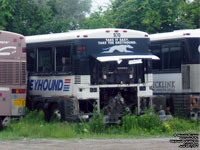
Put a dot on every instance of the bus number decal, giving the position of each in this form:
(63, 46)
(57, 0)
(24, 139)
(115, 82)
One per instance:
(117, 35)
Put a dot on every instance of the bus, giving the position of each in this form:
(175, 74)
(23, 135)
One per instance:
(70, 74)
(13, 80)
(176, 75)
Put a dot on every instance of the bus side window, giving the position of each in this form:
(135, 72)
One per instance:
(32, 59)
(45, 62)
(156, 50)
(175, 56)
(63, 59)
(186, 55)
(165, 57)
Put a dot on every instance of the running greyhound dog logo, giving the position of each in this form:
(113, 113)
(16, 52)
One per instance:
(119, 48)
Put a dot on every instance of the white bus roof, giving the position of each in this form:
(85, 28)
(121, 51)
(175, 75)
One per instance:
(84, 34)
(178, 34)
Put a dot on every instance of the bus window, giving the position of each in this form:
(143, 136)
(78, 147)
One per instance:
(186, 54)
(155, 49)
(45, 63)
(31, 56)
(175, 57)
(63, 59)
(165, 58)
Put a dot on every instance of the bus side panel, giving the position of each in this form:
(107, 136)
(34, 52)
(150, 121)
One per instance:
(5, 109)
(167, 83)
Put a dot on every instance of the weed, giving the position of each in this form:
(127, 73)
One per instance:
(147, 125)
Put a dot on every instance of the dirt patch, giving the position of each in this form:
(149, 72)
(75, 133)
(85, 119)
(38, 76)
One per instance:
(92, 144)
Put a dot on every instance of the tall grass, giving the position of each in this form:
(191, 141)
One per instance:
(34, 126)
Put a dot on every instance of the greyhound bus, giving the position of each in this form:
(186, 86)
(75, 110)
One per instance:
(70, 73)
(176, 75)
(12, 76)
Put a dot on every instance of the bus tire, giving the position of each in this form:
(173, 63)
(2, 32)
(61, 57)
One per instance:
(47, 115)
(1, 124)
(39, 107)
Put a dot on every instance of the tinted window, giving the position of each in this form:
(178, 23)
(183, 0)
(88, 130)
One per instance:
(45, 59)
(156, 50)
(31, 60)
(194, 46)
(63, 58)
(175, 57)
(165, 57)
(170, 54)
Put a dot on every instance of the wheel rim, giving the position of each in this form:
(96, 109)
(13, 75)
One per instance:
(56, 116)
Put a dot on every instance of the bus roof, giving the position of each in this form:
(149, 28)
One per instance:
(10, 33)
(178, 34)
(83, 34)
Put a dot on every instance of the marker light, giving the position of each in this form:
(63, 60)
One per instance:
(18, 91)
(23, 49)
(186, 34)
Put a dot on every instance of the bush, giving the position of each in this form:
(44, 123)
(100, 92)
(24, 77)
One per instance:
(146, 122)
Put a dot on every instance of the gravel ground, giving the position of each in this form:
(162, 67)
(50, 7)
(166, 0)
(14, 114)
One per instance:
(92, 144)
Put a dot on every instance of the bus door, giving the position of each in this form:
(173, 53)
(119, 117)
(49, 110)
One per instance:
(5, 103)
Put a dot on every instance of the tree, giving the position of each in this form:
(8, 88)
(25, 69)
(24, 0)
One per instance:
(6, 10)
(193, 13)
(99, 19)
(150, 15)
(73, 12)
(30, 17)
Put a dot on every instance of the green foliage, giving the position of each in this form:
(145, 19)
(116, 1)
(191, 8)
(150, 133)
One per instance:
(34, 126)
(146, 122)
(151, 16)
(192, 13)
(30, 17)
(6, 12)
(98, 19)
(96, 124)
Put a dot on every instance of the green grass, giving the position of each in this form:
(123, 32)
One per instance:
(33, 126)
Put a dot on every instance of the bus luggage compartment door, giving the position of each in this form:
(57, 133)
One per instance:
(5, 102)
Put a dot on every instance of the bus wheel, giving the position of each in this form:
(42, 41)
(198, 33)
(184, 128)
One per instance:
(1, 123)
(39, 107)
(55, 113)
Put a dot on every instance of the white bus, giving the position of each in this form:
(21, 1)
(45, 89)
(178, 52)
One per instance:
(70, 72)
(12, 76)
(176, 75)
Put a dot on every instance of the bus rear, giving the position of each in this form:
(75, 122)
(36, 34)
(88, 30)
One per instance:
(12, 76)
(110, 68)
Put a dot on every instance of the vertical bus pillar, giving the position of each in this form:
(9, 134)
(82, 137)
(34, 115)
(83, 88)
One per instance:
(138, 102)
